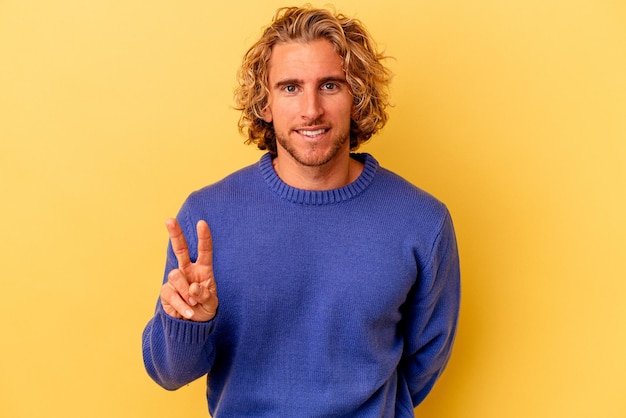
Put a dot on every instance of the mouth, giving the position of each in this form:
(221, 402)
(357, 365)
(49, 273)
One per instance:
(312, 133)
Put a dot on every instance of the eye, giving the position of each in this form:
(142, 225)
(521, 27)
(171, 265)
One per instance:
(329, 86)
(290, 88)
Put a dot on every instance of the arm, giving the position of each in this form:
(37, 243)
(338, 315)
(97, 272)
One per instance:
(431, 315)
(177, 348)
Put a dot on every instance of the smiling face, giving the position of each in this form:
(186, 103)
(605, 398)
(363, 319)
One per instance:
(309, 104)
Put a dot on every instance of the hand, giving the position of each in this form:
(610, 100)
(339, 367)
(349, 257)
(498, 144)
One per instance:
(190, 291)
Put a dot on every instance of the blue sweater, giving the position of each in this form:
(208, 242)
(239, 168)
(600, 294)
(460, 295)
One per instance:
(339, 303)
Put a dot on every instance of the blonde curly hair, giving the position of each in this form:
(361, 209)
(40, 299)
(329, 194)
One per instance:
(367, 77)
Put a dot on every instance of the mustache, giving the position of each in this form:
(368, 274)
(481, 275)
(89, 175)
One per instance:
(317, 123)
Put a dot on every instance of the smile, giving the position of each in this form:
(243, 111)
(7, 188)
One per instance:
(312, 134)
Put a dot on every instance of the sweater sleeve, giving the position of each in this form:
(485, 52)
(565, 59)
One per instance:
(176, 352)
(431, 315)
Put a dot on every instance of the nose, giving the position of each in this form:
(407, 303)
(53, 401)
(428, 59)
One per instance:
(311, 106)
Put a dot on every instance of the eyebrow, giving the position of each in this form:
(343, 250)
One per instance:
(297, 81)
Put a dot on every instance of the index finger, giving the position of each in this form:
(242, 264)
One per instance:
(179, 244)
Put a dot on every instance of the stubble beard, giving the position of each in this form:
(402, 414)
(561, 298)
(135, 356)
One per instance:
(313, 158)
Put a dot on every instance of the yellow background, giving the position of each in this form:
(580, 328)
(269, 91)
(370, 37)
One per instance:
(513, 112)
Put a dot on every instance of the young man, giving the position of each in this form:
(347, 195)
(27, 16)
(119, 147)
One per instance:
(315, 282)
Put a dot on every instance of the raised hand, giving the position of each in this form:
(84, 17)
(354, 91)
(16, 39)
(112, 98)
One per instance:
(190, 291)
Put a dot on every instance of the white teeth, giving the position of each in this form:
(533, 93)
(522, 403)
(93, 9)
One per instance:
(312, 133)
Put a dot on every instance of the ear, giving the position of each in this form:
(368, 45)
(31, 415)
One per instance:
(267, 114)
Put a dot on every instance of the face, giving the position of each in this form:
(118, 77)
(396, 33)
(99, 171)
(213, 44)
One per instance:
(310, 103)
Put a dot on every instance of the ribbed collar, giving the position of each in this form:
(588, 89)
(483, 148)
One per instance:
(315, 197)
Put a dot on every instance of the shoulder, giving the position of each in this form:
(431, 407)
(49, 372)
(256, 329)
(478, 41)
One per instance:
(229, 186)
(406, 208)
(398, 191)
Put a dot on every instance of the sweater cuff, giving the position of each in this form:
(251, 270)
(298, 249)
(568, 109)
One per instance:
(184, 331)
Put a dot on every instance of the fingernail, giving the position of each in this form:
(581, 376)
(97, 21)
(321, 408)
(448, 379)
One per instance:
(192, 302)
(188, 313)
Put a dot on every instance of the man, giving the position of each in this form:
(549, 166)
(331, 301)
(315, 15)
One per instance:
(315, 282)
